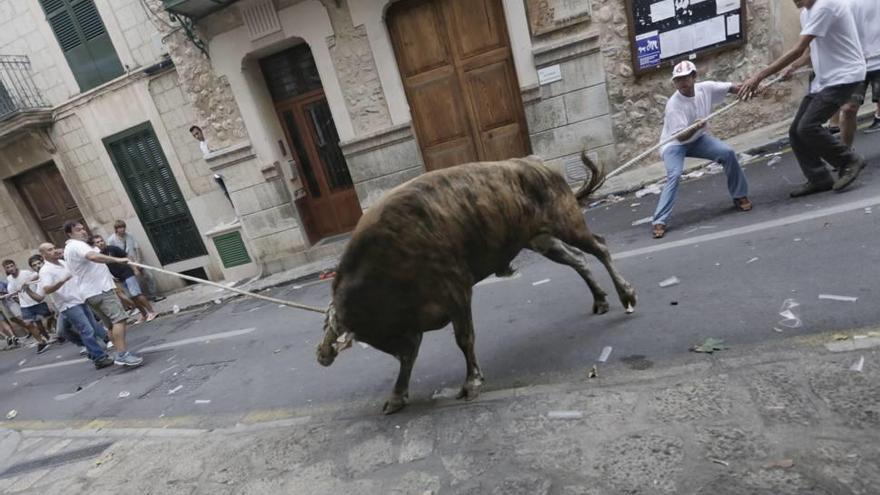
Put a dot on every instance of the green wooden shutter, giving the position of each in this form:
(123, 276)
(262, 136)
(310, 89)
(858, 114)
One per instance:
(231, 249)
(84, 40)
(160, 206)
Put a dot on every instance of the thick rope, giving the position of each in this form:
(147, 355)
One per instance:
(230, 289)
(691, 128)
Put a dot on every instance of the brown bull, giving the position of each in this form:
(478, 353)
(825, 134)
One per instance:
(414, 257)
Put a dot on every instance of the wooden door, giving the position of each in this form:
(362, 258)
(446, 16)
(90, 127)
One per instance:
(49, 200)
(330, 205)
(457, 68)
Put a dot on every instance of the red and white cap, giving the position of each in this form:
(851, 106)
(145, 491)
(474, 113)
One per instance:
(684, 68)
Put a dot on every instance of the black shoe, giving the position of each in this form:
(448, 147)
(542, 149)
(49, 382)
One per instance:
(158, 298)
(810, 188)
(833, 129)
(41, 348)
(848, 173)
(8, 341)
(874, 127)
(103, 362)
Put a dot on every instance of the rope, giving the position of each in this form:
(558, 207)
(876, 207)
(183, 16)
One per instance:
(689, 129)
(231, 289)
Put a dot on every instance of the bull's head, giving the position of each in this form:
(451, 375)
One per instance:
(336, 338)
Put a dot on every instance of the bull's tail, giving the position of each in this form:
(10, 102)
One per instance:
(597, 178)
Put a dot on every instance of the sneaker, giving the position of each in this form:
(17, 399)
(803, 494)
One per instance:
(139, 320)
(103, 362)
(82, 351)
(16, 342)
(128, 359)
(151, 316)
(810, 188)
(41, 348)
(848, 173)
(833, 129)
(109, 345)
(158, 299)
(874, 127)
(8, 341)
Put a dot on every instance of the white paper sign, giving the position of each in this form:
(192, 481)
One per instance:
(709, 32)
(550, 74)
(732, 24)
(722, 6)
(662, 10)
(677, 41)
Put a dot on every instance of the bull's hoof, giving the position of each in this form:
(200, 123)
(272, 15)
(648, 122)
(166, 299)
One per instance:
(394, 404)
(629, 300)
(470, 390)
(600, 307)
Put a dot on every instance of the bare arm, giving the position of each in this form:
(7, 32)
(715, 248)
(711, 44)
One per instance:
(103, 258)
(751, 85)
(34, 295)
(50, 289)
(689, 134)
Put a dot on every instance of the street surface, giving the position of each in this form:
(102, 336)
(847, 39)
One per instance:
(247, 360)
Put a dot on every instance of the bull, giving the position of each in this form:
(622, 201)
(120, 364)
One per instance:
(414, 257)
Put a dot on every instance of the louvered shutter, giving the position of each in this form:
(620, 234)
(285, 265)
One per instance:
(84, 40)
(153, 190)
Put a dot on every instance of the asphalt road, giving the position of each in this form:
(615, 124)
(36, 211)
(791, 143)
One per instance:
(256, 361)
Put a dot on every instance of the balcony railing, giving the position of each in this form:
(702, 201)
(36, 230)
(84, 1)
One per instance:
(195, 9)
(22, 107)
(17, 89)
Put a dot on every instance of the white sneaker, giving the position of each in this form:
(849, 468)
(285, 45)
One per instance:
(151, 316)
(82, 351)
(110, 345)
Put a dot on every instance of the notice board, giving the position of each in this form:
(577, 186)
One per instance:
(667, 31)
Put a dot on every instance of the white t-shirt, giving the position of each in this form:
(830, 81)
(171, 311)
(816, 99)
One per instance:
(867, 17)
(682, 111)
(836, 51)
(203, 145)
(68, 295)
(15, 284)
(91, 278)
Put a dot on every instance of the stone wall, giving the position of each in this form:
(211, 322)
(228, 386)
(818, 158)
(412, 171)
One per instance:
(215, 108)
(178, 116)
(82, 169)
(637, 105)
(141, 31)
(20, 35)
(356, 70)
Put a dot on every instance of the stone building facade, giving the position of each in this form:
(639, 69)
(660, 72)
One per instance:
(313, 109)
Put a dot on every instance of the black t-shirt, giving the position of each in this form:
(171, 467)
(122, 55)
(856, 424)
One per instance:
(120, 271)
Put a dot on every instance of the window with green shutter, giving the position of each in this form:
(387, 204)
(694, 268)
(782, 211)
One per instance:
(84, 41)
(154, 192)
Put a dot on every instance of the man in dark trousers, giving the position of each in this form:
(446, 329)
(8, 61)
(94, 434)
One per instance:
(829, 32)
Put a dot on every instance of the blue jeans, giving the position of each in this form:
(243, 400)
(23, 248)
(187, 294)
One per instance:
(83, 321)
(710, 148)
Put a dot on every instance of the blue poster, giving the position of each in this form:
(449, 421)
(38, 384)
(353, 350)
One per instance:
(648, 45)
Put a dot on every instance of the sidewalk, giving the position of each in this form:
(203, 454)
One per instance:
(784, 418)
(755, 143)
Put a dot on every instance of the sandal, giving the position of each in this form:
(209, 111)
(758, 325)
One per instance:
(659, 230)
(742, 204)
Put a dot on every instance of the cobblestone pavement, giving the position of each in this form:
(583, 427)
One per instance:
(791, 418)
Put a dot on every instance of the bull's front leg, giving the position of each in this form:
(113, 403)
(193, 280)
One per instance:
(407, 351)
(463, 324)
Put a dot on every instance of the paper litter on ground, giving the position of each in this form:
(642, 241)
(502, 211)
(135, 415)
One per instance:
(669, 282)
(565, 415)
(652, 189)
(858, 365)
(833, 297)
(606, 353)
(541, 282)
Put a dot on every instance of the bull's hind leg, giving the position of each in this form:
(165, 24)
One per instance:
(595, 245)
(463, 325)
(561, 253)
(407, 349)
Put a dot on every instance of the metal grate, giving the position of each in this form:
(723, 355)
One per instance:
(232, 250)
(17, 88)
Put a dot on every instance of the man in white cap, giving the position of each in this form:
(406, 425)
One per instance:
(691, 103)
(829, 32)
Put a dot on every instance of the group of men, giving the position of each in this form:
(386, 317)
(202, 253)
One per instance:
(80, 280)
(841, 40)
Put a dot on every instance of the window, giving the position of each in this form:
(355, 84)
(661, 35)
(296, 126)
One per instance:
(84, 41)
(160, 206)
